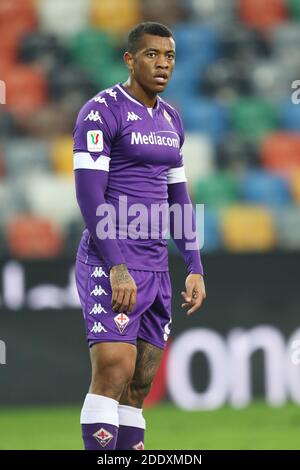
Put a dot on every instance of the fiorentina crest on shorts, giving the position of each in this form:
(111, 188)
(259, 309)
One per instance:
(103, 437)
(139, 446)
(121, 320)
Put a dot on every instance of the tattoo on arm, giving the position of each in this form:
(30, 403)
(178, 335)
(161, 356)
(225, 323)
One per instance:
(122, 274)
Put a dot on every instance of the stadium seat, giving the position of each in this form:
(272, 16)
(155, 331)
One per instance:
(218, 12)
(8, 125)
(294, 179)
(19, 14)
(62, 155)
(236, 153)
(33, 80)
(270, 80)
(239, 42)
(285, 41)
(248, 228)
(198, 155)
(262, 187)
(167, 12)
(226, 79)
(212, 233)
(202, 42)
(32, 237)
(44, 49)
(281, 152)
(294, 8)
(253, 118)
(53, 195)
(217, 189)
(70, 84)
(63, 17)
(290, 116)
(92, 50)
(23, 156)
(206, 116)
(288, 227)
(115, 16)
(73, 233)
(51, 120)
(262, 14)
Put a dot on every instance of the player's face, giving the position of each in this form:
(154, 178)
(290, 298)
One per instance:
(153, 63)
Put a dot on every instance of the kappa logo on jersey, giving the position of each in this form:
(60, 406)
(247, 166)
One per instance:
(112, 93)
(97, 309)
(101, 99)
(139, 446)
(94, 141)
(103, 437)
(98, 272)
(93, 116)
(98, 290)
(121, 320)
(131, 116)
(98, 328)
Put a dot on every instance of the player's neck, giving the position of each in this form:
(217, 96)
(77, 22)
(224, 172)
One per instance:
(139, 93)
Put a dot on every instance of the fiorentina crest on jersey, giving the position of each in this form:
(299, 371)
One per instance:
(139, 446)
(103, 437)
(121, 320)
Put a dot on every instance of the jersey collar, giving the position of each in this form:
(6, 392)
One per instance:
(135, 100)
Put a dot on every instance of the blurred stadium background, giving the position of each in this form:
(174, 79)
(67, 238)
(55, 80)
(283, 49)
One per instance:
(230, 377)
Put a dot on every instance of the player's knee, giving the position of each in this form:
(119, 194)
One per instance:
(111, 377)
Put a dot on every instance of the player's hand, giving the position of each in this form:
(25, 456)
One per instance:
(123, 289)
(195, 293)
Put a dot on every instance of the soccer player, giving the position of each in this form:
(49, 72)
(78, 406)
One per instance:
(127, 151)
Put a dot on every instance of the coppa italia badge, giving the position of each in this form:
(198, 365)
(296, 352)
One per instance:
(121, 320)
(103, 437)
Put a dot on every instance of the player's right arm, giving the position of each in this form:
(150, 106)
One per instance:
(94, 133)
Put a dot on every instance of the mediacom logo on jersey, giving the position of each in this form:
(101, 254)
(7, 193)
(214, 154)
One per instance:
(95, 141)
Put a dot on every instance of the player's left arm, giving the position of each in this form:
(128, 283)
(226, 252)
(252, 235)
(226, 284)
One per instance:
(178, 194)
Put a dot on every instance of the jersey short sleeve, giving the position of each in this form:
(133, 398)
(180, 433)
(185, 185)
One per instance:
(95, 130)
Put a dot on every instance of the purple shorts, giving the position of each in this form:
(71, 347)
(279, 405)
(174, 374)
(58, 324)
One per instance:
(150, 319)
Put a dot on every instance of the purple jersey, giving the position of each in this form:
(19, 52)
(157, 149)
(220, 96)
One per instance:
(140, 147)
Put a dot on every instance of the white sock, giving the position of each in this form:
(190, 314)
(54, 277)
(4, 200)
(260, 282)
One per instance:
(99, 409)
(130, 416)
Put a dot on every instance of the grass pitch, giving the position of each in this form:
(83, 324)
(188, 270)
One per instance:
(256, 427)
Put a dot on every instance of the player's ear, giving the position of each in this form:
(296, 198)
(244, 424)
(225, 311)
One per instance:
(128, 59)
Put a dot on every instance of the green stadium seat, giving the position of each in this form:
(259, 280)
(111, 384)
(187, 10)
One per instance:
(93, 51)
(217, 189)
(288, 227)
(294, 8)
(253, 118)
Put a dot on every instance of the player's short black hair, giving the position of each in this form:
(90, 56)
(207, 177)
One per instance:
(148, 27)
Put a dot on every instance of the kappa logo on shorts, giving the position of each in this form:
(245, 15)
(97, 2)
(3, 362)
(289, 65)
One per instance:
(103, 437)
(97, 309)
(139, 446)
(98, 328)
(98, 290)
(121, 320)
(98, 272)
